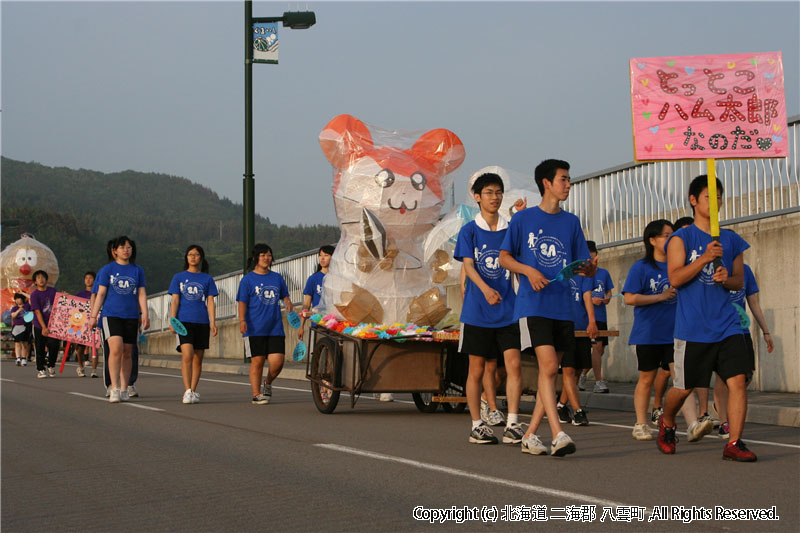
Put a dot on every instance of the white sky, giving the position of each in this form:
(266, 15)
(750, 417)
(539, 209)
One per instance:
(159, 87)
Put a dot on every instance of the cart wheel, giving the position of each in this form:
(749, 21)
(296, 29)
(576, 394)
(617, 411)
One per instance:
(454, 407)
(424, 402)
(325, 370)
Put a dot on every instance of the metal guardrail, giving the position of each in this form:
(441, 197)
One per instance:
(613, 205)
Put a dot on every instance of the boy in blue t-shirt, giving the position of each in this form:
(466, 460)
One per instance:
(708, 334)
(540, 241)
(488, 327)
(601, 286)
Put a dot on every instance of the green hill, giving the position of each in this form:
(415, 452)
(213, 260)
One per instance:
(75, 212)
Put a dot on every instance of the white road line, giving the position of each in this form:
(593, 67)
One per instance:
(129, 404)
(572, 496)
(9, 380)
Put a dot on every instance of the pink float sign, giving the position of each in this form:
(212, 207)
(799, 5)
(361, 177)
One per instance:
(713, 106)
(69, 320)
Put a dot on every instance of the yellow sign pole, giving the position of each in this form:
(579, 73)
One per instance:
(711, 166)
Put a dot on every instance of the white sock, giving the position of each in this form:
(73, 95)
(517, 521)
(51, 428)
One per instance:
(559, 404)
(512, 418)
(476, 423)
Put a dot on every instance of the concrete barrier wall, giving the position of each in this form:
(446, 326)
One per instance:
(774, 257)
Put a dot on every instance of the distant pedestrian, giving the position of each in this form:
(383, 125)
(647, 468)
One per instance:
(80, 349)
(261, 322)
(20, 329)
(193, 292)
(313, 289)
(122, 296)
(42, 304)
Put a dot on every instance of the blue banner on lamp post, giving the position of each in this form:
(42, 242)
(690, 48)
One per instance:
(265, 42)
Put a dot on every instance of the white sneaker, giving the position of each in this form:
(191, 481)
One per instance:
(114, 396)
(562, 446)
(51, 372)
(600, 386)
(80, 372)
(132, 391)
(124, 396)
(19, 361)
(699, 429)
(485, 411)
(24, 362)
(582, 382)
(641, 432)
(195, 397)
(495, 418)
(187, 396)
(386, 397)
(41, 374)
(108, 391)
(532, 444)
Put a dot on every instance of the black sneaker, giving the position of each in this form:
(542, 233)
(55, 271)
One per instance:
(564, 415)
(580, 418)
(482, 434)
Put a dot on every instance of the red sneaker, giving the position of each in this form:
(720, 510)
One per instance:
(737, 451)
(666, 438)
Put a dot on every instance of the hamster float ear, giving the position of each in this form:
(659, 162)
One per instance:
(345, 139)
(440, 147)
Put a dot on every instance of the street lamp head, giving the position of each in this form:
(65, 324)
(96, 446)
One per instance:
(299, 20)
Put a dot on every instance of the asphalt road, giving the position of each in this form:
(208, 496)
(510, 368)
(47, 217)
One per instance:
(73, 462)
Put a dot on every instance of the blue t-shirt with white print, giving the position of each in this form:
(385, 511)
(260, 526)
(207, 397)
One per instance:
(654, 323)
(705, 313)
(194, 289)
(577, 287)
(122, 283)
(313, 287)
(483, 246)
(601, 283)
(263, 293)
(548, 243)
(750, 287)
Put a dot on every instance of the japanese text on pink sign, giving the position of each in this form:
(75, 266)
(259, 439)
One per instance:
(713, 106)
(69, 320)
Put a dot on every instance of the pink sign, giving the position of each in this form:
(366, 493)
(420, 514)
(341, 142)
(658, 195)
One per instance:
(69, 320)
(715, 106)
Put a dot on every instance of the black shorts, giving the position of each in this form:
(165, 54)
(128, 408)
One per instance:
(751, 353)
(695, 361)
(580, 357)
(489, 343)
(263, 346)
(25, 334)
(539, 331)
(127, 328)
(654, 356)
(196, 334)
(601, 326)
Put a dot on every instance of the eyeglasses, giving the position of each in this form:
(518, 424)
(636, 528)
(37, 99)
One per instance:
(496, 194)
(192, 255)
(664, 235)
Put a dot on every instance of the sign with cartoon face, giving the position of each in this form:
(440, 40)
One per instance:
(18, 261)
(710, 106)
(69, 320)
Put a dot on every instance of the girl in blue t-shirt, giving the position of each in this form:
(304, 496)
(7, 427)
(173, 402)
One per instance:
(647, 288)
(193, 292)
(313, 289)
(121, 294)
(260, 320)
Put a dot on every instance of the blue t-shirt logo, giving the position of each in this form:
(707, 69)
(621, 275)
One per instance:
(573, 288)
(267, 295)
(659, 285)
(550, 251)
(123, 284)
(488, 263)
(708, 270)
(192, 290)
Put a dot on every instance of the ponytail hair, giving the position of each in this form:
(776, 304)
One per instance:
(203, 262)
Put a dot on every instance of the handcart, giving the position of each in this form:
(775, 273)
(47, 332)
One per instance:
(421, 366)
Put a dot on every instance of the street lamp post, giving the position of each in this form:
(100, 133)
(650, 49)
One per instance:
(296, 20)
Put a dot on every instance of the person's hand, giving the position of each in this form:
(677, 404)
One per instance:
(242, 327)
(537, 280)
(521, 203)
(591, 330)
(492, 296)
(770, 343)
(721, 275)
(92, 322)
(606, 300)
(588, 269)
(45, 332)
(145, 323)
(669, 293)
(598, 301)
(300, 333)
(213, 330)
(713, 251)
